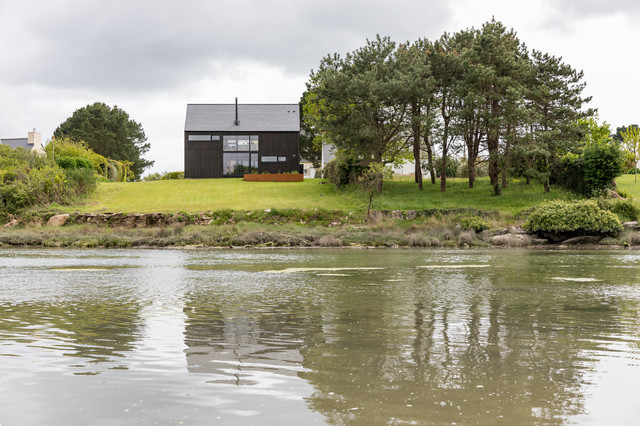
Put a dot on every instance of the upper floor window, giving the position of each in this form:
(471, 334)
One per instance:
(203, 138)
(241, 143)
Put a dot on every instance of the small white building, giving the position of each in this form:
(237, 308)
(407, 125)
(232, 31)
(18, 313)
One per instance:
(407, 168)
(307, 167)
(33, 142)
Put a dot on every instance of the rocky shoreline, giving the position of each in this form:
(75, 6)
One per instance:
(390, 228)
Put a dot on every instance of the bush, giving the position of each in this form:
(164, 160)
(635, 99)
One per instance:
(154, 176)
(451, 169)
(602, 163)
(173, 175)
(626, 210)
(343, 170)
(81, 181)
(583, 216)
(475, 223)
(70, 163)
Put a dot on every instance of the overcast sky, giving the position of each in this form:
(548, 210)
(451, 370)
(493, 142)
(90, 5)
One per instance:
(151, 58)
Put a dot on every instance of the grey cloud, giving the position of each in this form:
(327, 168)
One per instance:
(576, 8)
(140, 45)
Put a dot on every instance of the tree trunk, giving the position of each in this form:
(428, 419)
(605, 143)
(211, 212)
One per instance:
(507, 163)
(369, 207)
(472, 156)
(445, 145)
(432, 169)
(493, 141)
(443, 172)
(415, 112)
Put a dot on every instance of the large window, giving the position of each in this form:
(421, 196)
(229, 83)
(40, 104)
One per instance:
(240, 154)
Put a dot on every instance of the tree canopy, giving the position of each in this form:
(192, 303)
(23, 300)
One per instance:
(109, 132)
(476, 93)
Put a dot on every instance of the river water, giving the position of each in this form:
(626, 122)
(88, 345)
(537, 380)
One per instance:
(271, 337)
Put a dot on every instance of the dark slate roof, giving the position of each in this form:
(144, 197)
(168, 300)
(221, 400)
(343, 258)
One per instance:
(252, 117)
(16, 142)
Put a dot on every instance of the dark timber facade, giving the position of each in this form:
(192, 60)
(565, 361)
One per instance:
(229, 140)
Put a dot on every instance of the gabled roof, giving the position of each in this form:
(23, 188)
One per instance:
(252, 117)
(16, 142)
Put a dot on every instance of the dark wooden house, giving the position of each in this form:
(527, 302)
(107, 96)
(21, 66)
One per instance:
(229, 140)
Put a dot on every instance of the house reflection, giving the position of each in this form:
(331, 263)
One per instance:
(241, 349)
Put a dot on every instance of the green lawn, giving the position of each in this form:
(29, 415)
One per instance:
(627, 183)
(194, 195)
(404, 194)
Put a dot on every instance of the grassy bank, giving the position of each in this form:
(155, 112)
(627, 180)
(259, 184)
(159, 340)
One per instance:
(218, 194)
(443, 231)
(306, 214)
(627, 184)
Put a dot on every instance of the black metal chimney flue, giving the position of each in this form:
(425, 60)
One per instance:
(237, 122)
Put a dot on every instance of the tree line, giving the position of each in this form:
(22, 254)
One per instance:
(479, 94)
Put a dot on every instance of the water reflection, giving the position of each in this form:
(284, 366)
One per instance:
(92, 329)
(388, 337)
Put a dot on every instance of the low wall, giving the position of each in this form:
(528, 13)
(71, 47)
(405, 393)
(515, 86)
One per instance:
(276, 177)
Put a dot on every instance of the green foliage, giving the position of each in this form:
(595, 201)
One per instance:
(602, 162)
(110, 133)
(626, 210)
(154, 176)
(310, 139)
(173, 176)
(630, 138)
(80, 181)
(452, 166)
(29, 180)
(74, 163)
(343, 170)
(354, 101)
(475, 223)
(480, 90)
(74, 154)
(583, 216)
(23, 187)
(598, 163)
(569, 174)
(371, 181)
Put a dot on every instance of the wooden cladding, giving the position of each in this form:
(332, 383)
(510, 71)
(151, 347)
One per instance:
(203, 157)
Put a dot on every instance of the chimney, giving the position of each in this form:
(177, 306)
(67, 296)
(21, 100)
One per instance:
(237, 122)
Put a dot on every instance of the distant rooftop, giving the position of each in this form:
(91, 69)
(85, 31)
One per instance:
(16, 142)
(252, 118)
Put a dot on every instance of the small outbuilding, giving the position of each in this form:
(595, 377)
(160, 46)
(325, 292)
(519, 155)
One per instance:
(229, 140)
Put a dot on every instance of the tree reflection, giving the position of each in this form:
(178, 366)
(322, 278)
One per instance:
(515, 356)
(94, 329)
(506, 345)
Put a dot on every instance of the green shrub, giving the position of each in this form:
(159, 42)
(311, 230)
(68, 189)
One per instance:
(602, 163)
(173, 175)
(624, 194)
(70, 163)
(572, 216)
(626, 210)
(154, 176)
(81, 181)
(475, 223)
(343, 170)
